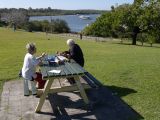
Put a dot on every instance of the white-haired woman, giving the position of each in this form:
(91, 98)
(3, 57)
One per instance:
(29, 68)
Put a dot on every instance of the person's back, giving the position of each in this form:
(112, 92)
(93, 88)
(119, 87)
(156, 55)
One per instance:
(77, 54)
(29, 69)
(29, 65)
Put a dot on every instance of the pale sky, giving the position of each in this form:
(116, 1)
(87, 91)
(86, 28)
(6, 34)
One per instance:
(63, 4)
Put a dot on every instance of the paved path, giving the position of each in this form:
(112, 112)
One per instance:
(69, 105)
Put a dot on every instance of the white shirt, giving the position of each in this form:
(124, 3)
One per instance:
(29, 66)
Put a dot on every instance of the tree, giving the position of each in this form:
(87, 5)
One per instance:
(111, 23)
(141, 17)
(55, 26)
(59, 26)
(30, 9)
(16, 17)
(45, 26)
(112, 8)
(149, 20)
(49, 11)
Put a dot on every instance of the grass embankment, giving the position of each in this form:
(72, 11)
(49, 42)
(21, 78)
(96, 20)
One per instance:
(131, 71)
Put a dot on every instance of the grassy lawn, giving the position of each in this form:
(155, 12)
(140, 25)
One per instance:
(133, 72)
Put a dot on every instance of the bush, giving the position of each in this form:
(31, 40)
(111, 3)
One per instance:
(3, 23)
(101, 27)
(142, 37)
(45, 26)
(57, 26)
(28, 27)
(151, 39)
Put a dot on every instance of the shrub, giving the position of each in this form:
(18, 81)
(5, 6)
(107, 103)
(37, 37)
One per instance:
(59, 26)
(101, 27)
(3, 23)
(56, 26)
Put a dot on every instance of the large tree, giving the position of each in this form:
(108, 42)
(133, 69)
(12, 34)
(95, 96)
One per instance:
(15, 17)
(142, 16)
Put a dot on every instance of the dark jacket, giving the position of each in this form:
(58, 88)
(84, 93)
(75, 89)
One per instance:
(77, 54)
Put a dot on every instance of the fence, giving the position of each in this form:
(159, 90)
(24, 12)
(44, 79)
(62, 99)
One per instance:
(97, 39)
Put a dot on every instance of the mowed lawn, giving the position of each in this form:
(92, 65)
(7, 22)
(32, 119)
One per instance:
(131, 72)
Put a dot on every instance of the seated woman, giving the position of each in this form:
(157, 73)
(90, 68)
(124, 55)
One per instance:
(29, 70)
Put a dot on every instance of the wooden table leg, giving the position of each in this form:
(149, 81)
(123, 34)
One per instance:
(43, 96)
(81, 89)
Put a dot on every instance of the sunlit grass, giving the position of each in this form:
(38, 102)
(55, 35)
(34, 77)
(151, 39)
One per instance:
(118, 66)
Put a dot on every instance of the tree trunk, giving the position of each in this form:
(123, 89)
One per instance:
(134, 38)
(136, 30)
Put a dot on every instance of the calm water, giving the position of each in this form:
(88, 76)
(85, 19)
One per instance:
(74, 22)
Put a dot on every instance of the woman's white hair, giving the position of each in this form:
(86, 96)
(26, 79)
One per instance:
(70, 42)
(30, 47)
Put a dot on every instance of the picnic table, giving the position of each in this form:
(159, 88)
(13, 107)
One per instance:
(68, 70)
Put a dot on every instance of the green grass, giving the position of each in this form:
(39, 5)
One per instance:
(133, 72)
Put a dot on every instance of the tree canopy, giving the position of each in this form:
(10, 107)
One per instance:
(140, 17)
(50, 12)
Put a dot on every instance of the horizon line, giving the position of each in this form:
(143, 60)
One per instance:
(51, 8)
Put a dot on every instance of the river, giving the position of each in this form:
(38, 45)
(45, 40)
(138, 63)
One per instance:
(75, 23)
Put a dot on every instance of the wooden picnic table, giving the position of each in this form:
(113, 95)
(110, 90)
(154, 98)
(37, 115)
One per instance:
(68, 70)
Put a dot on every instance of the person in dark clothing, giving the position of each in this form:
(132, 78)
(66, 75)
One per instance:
(81, 36)
(75, 53)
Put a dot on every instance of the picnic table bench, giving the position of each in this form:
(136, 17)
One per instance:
(68, 70)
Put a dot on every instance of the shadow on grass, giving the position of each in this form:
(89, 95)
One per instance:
(104, 105)
(123, 43)
(138, 45)
(120, 91)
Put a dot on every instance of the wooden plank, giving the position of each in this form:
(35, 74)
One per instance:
(80, 67)
(76, 67)
(49, 74)
(50, 67)
(66, 71)
(89, 81)
(68, 67)
(68, 76)
(61, 67)
(72, 61)
(65, 88)
(55, 67)
(81, 89)
(43, 69)
(43, 96)
(73, 68)
(44, 72)
(93, 79)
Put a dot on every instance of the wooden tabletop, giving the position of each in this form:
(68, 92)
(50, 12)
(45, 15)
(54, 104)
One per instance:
(67, 69)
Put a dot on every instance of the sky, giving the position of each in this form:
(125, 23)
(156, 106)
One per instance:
(63, 4)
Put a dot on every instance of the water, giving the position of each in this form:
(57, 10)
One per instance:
(74, 22)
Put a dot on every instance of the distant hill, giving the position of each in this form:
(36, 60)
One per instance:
(50, 12)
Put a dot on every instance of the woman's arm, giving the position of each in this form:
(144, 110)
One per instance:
(40, 57)
(37, 61)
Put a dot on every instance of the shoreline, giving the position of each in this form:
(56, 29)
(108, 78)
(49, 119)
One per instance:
(62, 15)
